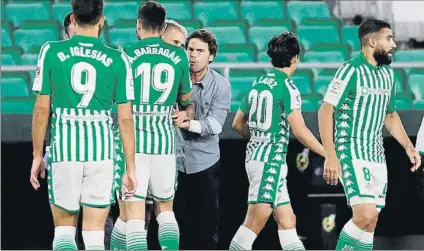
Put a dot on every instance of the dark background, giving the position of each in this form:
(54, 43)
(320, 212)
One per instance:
(27, 221)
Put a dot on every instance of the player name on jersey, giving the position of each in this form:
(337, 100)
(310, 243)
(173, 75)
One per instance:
(87, 53)
(157, 51)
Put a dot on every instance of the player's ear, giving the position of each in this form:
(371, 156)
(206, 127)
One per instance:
(372, 42)
(139, 24)
(295, 59)
(73, 20)
(211, 57)
(101, 21)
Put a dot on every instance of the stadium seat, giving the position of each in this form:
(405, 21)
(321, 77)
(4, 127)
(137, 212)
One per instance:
(59, 11)
(416, 83)
(122, 36)
(335, 23)
(310, 35)
(343, 48)
(17, 105)
(403, 101)
(311, 103)
(324, 57)
(301, 10)
(418, 105)
(36, 34)
(261, 35)
(234, 106)
(236, 53)
(400, 79)
(29, 59)
(11, 56)
(302, 79)
(209, 11)
(17, 12)
(354, 54)
(6, 34)
(178, 10)
(191, 25)
(263, 57)
(14, 87)
(122, 9)
(409, 56)
(321, 84)
(2, 13)
(350, 36)
(257, 10)
(239, 87)
(229, 34)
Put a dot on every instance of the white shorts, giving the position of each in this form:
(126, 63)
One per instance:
(156, 174)
(364, 182)
(72, 184)
(267, 183)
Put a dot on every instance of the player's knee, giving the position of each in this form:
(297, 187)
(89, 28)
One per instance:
(287, 221)
(365, 216)
(257, 216)
(163, 206)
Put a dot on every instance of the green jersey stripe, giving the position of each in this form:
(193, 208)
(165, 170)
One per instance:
(65, 135)
(90, 140)
(73, 136)
(81, 136)
(375, 116)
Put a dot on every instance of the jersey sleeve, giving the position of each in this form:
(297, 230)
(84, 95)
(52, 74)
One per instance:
(392, 102)
(185, 82)
(290, 97)
(124, 91)
(343, 82)
(42, 79)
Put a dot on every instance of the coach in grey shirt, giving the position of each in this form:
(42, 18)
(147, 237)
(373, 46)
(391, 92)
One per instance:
(197, 196)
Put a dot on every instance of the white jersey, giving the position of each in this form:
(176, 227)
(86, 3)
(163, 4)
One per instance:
(419, 146)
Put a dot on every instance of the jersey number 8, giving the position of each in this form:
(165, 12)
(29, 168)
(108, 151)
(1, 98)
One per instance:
(89, 85)
(258, 118)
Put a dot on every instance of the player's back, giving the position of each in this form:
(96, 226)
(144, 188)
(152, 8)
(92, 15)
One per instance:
(81, 75)
(161, 72)
(268, 102)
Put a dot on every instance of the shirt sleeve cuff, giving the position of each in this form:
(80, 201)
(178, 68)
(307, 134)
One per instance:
(195, 126)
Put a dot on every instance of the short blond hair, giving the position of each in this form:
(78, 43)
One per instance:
(174, 24)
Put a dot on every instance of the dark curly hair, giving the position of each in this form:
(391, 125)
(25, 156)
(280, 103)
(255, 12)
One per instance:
(282, 49)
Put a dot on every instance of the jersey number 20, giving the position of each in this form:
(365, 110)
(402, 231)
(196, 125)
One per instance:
(258, 118)
(153, 77)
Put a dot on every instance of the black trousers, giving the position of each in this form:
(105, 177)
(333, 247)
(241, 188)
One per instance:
(196, 208)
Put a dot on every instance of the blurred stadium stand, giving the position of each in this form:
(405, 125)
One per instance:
(242, 28)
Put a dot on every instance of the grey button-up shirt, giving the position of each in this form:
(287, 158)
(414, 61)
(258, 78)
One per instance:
(212, 99)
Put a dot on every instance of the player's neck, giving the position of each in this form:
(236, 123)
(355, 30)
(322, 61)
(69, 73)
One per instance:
(147, 34)
(286, 70)
(196, 77)
(369, 56)
(87, 32)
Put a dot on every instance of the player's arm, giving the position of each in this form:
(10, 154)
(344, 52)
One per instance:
(124, 93)
(184, 91)
(292, 102)
(41, 112)
(240, 119)
(395, 127)
(337, 91)
(214, 121)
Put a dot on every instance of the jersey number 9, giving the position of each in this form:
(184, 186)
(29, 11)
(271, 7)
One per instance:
(88, 72)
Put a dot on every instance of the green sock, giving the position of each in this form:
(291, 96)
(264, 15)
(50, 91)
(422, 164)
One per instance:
(118, 236)
(169, 233)
(366, 242)
(64, 238)
(349, 237)
(136, 235)
(235, 246)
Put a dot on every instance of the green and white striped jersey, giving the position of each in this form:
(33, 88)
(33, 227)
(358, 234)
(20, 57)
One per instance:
(362, 95)
(161, 74)
(272, 97)
(83, 78)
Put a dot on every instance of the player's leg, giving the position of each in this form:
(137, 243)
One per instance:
(358, 186)
(135, 206)
(163, 178)
(96, 198)
(118, 238)
(379, 178)
(64, 185)
(261, 197)
(285, 217)
(150, 207)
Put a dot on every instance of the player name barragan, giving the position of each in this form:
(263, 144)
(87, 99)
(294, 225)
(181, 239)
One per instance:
(157, 51)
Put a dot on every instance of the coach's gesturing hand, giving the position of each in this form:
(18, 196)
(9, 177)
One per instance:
(38, 168)
(331, 170)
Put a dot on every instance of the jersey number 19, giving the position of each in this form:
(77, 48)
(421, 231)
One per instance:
(153, 77)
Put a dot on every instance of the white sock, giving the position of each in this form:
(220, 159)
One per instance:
(289, 239)
(94, 240)
(136, 235)
(243, 239)
(64, 238)
(353, 230)
(168, 231)
(121, 226)
(367, 241)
